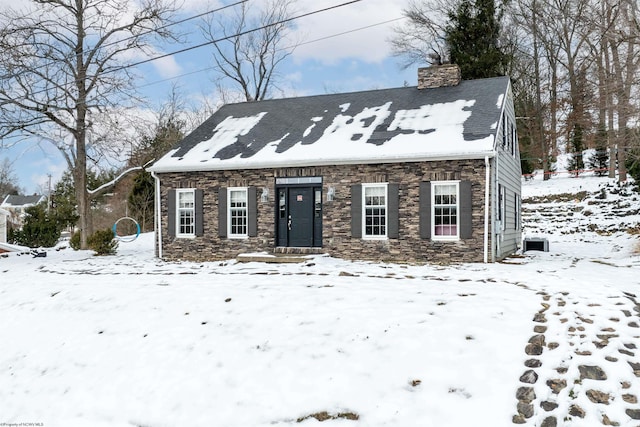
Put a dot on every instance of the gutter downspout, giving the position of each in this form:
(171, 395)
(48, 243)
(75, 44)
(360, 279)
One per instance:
(487, 187)
(157, 222)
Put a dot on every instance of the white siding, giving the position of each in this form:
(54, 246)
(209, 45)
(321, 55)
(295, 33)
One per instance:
(506, 173)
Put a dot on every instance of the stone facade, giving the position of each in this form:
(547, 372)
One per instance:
(336, 235)
(439, 76)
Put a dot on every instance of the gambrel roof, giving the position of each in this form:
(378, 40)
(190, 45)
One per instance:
(377, 126)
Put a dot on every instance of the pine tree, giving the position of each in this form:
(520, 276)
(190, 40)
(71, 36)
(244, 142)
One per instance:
(599, 161)
(140, 200)
(472, 37)
(576, 163)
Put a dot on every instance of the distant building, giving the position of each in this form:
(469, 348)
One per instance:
(16, 205)
(4, 215)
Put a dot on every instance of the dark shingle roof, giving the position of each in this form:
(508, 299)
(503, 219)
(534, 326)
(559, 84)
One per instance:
(17, 200)
(402, 123)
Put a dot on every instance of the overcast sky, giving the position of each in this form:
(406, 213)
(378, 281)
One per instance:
(359, 60)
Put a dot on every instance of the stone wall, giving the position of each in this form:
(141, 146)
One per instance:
(337, 240)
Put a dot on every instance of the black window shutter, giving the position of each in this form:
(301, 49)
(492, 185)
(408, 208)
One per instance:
(222, 212)
(393, 205)
(252, 212)
(171, 213)
(466, 210)
(425, 210)
(356, 211)
(199, 211)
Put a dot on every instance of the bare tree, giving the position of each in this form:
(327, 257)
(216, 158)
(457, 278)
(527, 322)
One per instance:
(422, 39)
(250, 59)
(64, 71)
(623, 41)
(8, 179)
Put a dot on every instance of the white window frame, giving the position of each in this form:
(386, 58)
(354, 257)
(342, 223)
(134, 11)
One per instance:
(435, 236)
(180, 209)
(230, 234)
(385, 187)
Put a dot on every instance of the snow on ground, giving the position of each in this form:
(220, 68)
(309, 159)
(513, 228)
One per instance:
(129, 340)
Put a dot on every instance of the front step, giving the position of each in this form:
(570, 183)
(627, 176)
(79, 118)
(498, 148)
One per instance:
(284, 250)
(282, 255)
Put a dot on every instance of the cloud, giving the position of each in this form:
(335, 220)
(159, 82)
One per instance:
(369, 45)
(167, 67)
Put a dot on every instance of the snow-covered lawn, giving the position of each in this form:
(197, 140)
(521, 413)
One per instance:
(130, 341)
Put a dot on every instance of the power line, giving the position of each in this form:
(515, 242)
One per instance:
(170, 24)
(187, 49)
(280, 49)
(242, 33)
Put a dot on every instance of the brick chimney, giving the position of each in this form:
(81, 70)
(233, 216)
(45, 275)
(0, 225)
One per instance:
(439, 76)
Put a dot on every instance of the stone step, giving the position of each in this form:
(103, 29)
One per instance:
(282, 255)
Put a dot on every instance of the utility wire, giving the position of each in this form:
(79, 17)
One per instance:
(279, 49)
(242, 33)
(187, 49)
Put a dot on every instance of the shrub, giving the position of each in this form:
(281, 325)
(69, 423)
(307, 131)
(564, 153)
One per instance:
(39, 230)
(74, 242)
(102, 242)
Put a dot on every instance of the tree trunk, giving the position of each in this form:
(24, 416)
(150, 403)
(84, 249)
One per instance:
(82, 196)
(544, 146)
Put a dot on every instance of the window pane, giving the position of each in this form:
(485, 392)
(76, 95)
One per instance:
(375, 212)
(186, 212)
(445, 210)
(238, 212)
(185, 199)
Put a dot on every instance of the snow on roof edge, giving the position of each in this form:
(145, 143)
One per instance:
(322, 162)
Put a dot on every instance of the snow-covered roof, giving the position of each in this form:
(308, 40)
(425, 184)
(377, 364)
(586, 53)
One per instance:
(389, 125)
(14, 200)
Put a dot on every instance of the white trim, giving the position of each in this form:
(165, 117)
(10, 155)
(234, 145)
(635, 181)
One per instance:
(231, 235)
(323, 162)
(156, 214)
(487, 188)
(384, 185)
(435, 237)
(193, 209)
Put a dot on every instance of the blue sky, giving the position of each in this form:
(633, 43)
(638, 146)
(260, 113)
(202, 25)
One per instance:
(359, 60)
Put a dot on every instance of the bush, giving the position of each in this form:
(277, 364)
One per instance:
(74, 242)
(102, 242)
(40, 229)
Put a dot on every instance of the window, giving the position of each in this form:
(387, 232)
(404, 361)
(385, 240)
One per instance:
(186, 225)
(238, 212)
(375, 210)
(445, 210)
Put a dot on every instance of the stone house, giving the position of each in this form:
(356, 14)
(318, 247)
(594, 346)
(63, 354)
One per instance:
(413, 174)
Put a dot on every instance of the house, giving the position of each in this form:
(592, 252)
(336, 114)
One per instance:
(16, 206)
(4, 215)
(413, 174)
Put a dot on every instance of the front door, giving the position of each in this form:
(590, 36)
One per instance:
(299, 216)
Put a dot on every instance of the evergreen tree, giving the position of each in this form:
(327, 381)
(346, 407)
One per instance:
(40, 228)
(576, 162)
(472, 37)
(599, 161)
(141, 200)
